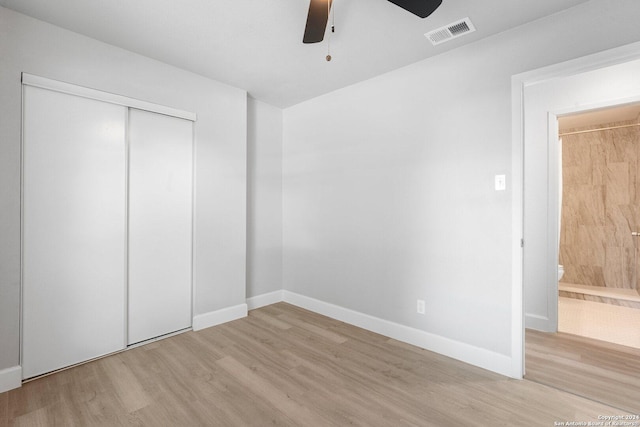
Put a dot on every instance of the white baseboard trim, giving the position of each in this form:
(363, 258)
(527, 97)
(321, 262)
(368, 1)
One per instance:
(476, 356)
(264, 299)
(10, 378)
(538, 323)
(224, 315)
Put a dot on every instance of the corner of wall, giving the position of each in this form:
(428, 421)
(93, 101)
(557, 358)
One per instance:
(265, 299)
(217, 317)
(10, 378)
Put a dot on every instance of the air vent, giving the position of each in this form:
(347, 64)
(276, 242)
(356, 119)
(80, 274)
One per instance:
(450, 32)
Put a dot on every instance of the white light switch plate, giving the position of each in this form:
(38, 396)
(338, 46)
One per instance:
(501, 182)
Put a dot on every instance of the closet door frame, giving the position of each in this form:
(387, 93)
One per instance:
(85, 92)
(98, 95)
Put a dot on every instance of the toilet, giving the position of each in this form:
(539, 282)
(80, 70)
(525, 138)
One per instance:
(560, 272)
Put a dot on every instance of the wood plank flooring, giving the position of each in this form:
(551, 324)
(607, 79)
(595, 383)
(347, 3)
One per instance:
(288, 367)
(598, 370)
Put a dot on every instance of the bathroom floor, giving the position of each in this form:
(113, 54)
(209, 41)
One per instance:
(615, 324)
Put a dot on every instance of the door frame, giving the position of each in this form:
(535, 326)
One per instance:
(519, 82)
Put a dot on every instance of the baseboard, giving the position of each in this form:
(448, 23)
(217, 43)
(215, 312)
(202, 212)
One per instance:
(538, 323)
(264, 300)
(10, 378)
(213, 318)
(476, 356)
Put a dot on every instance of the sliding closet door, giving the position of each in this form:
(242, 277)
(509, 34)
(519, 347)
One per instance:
(160, 193)
(73, 230)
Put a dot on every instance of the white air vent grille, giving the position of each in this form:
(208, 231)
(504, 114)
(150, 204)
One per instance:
(450, 32)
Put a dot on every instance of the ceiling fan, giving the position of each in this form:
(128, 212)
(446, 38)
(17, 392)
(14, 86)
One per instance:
(319, 15)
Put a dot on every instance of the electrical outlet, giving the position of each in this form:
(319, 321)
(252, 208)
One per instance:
(421, 306)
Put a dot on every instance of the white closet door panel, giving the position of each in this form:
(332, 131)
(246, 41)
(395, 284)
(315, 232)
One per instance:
(73, 230)
(160, 192)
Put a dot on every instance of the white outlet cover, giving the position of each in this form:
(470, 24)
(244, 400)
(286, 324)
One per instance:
(420, 306)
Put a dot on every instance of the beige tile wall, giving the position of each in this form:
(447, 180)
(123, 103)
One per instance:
(601, 207)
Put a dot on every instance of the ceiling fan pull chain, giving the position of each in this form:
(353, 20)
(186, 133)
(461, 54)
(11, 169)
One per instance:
(328, 57)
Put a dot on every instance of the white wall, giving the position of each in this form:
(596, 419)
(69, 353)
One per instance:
(38, 48)
(264, 199)
(388, 184)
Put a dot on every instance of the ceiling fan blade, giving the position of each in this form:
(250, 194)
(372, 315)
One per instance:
(422, 8)
(316, 21)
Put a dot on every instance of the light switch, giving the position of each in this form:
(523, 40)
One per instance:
(501, 182)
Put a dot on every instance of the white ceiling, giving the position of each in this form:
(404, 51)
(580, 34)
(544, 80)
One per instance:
(257, 45)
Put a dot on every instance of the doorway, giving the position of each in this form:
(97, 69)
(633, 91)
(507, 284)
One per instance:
(539, 98)
(599, 222)
(543, 103)
(593, 168)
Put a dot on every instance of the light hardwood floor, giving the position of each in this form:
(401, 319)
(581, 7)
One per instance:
(286, 366)
(604, 372)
